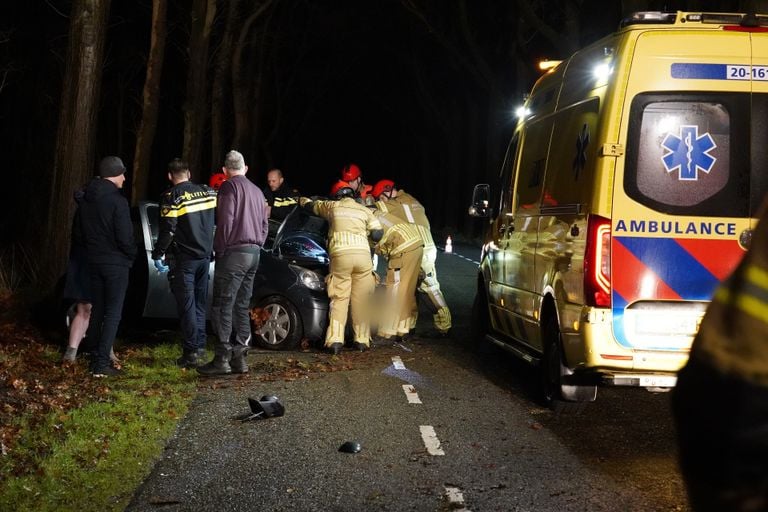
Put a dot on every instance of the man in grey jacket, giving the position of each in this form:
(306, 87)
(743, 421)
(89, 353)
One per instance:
(241, 229)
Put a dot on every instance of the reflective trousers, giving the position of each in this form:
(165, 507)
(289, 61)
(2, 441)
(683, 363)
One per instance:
(349, 283)
(400, 302)
(430, 287)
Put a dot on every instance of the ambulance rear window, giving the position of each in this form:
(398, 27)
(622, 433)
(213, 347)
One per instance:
(690, 154)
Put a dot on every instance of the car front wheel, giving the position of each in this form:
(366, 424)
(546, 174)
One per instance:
(278, 326)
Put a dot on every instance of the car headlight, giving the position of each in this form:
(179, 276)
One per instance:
(310, 279)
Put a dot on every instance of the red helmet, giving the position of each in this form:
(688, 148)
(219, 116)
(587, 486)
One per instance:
(350, 172)
(217, 180)
(382, 186)
(342, 189)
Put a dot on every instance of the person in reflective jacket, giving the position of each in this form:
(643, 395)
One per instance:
(720, 403)
(185, 239)
(350, 279)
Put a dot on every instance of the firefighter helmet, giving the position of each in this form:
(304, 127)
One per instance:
(217, 179)
(350, 172)
(382, 186)
(342, 189)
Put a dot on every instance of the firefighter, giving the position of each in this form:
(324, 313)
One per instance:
(720, 403)
(403, 248)
(406, 207)
(351, 272)
(352, 175)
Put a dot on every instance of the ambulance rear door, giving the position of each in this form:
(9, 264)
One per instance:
(682, 208)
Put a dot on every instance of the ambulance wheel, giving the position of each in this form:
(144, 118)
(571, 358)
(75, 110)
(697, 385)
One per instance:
(280, 327)
(552, 368)
(560, 388)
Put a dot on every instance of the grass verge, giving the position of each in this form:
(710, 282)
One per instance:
(91, 453)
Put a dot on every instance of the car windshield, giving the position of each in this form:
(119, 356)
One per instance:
(298, 220)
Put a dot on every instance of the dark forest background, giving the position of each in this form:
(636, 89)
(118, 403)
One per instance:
(419, 91)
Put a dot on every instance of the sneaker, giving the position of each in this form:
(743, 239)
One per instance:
(107, 371)
(69, 355)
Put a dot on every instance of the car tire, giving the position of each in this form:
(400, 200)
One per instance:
(283, 329)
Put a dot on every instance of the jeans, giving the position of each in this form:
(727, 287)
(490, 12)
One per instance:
(189, 284)
(108, 286)
(232, 291)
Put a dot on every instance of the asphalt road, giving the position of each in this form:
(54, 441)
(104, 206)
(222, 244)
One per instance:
(443, 424)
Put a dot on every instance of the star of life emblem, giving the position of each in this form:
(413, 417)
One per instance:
(688, 152)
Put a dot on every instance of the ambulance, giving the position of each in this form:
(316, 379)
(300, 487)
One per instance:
(628, 192)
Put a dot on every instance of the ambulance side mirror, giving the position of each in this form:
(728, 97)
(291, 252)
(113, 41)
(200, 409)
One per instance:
(481, 199)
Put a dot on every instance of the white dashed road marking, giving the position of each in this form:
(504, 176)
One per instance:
(398, 363)
(431, 442)
(411, 395)
(456, 499)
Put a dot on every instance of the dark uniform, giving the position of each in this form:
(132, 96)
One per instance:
(281, 201)
(720, 403)
(186, 239)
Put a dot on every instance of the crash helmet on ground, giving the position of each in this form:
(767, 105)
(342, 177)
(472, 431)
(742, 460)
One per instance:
(350, 172)
(382, 187)
(342, 189)
(217, 179)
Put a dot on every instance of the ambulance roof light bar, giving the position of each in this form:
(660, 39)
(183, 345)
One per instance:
(712, 18)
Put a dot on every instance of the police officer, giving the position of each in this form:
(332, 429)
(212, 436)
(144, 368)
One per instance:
(280, 197)
(720, 402)
(402, 246)
(352, 175)
(185, 239)
(406, 207)
(351, 272)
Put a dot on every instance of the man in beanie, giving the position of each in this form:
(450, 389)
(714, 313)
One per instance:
(108, 233)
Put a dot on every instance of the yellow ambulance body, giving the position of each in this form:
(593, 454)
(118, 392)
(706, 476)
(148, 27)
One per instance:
(628, 192)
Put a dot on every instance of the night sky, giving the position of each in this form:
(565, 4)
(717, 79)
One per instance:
(360, 81)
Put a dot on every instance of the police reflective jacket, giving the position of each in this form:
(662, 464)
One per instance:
(406, 207)
(187, 217)
(349, 225)
(733, 336)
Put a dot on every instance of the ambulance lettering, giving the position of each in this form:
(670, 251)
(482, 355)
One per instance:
(688, 153)
(675, 227)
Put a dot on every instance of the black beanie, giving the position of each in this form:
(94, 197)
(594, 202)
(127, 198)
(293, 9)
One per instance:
(111, 166)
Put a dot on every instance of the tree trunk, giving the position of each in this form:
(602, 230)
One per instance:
(240, 94)
(73, 161)
(222, 87)
(146, 132)
(203, 12)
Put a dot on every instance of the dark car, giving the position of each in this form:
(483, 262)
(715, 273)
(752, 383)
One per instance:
(289, 293)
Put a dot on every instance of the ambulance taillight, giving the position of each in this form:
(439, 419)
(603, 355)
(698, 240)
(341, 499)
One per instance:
(597, 262)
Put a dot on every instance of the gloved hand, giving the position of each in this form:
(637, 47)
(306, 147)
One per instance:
(161, 266)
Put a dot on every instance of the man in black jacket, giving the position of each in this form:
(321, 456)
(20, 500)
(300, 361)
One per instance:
(106, 226)
(280, 197)
(186, 239)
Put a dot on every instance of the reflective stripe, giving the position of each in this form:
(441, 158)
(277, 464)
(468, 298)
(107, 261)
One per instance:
(408, 214)
(195, 205)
